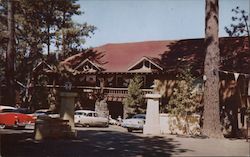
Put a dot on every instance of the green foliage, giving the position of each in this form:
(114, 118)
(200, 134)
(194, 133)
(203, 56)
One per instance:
(135, 99)
(240, 25)
(38, 25)
(69, 40)
(40, 93)
(183, 101)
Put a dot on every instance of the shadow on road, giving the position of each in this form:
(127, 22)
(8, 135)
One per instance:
(91, 143)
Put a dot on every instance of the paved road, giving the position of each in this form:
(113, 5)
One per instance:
(116, 141)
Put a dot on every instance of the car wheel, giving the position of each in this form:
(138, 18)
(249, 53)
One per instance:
(130, 130)
(2, 126)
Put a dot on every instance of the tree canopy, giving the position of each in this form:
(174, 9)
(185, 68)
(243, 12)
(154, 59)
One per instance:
(240, 24)
(40, 25)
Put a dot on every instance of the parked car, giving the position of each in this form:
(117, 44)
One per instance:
(90, 118)
(135, 123)
(10, 117)
(113, 121)
(6, 108)
(45, 113)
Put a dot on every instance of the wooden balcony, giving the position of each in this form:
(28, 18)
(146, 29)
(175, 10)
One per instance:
(108, 91)
(121, 92)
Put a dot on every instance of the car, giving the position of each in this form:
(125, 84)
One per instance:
(90, 118)
(10, 117)
(45, 113)
(135, 123)
(113, 121)
(6, 108)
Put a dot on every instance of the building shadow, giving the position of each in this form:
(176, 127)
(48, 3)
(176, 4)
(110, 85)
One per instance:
(91, 143)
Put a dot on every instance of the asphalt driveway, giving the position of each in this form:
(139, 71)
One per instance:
(116, 141)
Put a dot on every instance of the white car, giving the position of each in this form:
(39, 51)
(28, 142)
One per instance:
(113, 121)
(135, 123)
(6, 108)
(90, 118)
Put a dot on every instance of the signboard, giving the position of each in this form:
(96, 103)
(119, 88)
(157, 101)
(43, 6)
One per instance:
(68, 85)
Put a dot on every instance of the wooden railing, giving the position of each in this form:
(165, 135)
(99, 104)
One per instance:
(106, 90)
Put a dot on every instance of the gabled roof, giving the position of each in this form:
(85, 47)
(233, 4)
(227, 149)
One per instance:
(120, 57)
(145, 68)
(88, 61)
(42, 66)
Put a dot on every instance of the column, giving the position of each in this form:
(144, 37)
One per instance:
(67, 109)
(152, 124)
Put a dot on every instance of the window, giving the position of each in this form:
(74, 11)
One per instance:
(95, 115)
(90, 115)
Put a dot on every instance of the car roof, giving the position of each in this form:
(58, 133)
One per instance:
(42, 110)
(86, 111)
(140, 115)
(7, 108)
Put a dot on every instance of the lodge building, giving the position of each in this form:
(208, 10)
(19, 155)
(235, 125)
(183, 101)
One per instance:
(153, 61)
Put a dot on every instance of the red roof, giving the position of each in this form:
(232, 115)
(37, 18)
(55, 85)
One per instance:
(120, 57)
(169, 54)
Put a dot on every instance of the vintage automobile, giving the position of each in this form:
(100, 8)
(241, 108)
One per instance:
(45, 113)
(90, 118)
(113, 121)
(6, 108)
(135, 123)
(11, 117)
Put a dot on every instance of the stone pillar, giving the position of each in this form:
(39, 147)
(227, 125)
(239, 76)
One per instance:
(152, 124)
(67, 109)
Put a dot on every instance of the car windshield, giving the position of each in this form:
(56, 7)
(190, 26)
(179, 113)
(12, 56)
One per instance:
(80, 113)
(22, 110)
(139, 117)
(40, 112)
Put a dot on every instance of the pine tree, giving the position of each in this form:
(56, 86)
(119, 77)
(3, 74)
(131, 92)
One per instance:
(135, 100)
(211, 122)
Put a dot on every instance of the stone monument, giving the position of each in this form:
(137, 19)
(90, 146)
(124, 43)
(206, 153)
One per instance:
(67, 109)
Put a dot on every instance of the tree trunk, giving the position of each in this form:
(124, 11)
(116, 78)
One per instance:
(10, 96)
(48, 39)
(211, 124)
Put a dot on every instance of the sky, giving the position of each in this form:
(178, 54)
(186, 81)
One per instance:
(121, 21)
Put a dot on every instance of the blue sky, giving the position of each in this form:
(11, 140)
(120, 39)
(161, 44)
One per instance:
(119, 21)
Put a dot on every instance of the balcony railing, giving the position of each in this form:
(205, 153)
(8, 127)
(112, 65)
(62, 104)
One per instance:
(110, 91)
